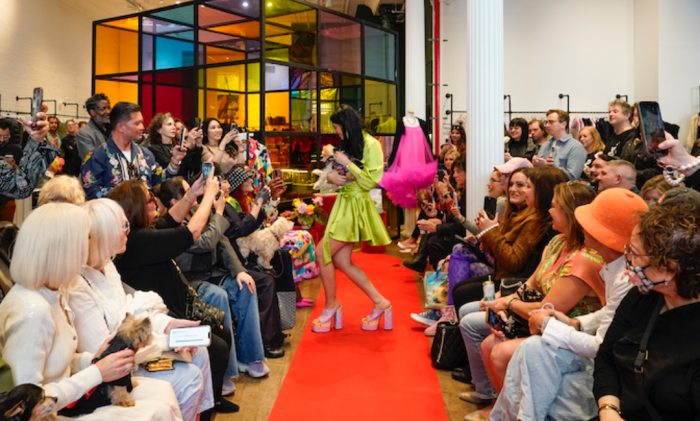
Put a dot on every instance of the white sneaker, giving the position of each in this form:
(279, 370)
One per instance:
(255, 370)
(228, 388)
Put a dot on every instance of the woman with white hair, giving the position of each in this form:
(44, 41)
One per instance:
(37, 334)
(62, 188)
(100, 305)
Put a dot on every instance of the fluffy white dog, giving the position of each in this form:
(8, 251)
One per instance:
(264, 243)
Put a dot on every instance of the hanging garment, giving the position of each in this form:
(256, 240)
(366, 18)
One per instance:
(401, 130)
(413, 169)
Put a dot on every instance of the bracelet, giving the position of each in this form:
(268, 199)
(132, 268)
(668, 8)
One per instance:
(609, 406)
(511, 302)
(544, 323)
(481, 234)
(186, 199)
(674, 176)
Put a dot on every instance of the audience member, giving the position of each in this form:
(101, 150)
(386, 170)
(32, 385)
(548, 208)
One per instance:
(650, 344)
(37, 334)
(517, 144)
(97, 130)
(559, 151)
(52, 136)
(162, 132)
(459, 139)
(121, 158)
(219, 148)
(450, 157)
(69, 148)
(620, 116)
(82, 124)
(655, 188)
(538, 137)
(567, 278)
(11, 154)
(618, 173)
(428, 210)
(100, 305)
(179, 127)
(148, 265)
(590, 139)
(567, 346)
(62, 189)
(634, 151)
(494, 188)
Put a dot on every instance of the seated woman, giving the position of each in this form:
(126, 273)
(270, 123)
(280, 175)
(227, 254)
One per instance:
(655, 188)
(37, 335)
(241, 224)
(568, 277)
(220, 148)
(428, 210)
(201, 266)
(591, 140)
(148, 265)
(450, 158)
(655, 320)
(62, 188)
(162, 139)
(495, 190)
(100, 304)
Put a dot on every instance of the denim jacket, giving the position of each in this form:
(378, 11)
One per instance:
(106, 167)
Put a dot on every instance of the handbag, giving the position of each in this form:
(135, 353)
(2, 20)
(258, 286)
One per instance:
(436, 286)
(283, 273)
(516, 326)
(464, 264)
(448, 351)
(642, 356)
(198, 310)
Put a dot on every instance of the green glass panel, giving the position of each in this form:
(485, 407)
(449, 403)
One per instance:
(290, 32)
(380, 107)
(351, 81)
(274, 8)
(184, 15)
(302, 112)
(187, 35)
(200, 78)
(253, 77)
(380, 50)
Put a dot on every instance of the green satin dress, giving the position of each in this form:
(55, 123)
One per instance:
(354, 216)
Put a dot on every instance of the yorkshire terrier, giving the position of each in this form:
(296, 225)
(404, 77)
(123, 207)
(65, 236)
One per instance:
(132, 334)
(327, 156)
(25, 402)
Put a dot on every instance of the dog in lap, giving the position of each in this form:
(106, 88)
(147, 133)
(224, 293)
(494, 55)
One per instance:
(132, 334)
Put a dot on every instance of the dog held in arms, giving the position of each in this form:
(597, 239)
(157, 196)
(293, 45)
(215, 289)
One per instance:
(132, 334)
(327, 157)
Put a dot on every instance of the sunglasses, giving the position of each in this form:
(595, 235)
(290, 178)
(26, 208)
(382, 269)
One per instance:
(568, 186)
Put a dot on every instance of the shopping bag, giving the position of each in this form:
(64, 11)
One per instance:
(436, 288)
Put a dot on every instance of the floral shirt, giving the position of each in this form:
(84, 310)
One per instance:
(583, 263)
(259, 161)
(106, 167)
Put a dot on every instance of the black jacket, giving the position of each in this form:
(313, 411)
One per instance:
(69, 147)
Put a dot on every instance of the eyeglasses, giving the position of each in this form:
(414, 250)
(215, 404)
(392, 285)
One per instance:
(5, 136)
(491, 180)
(126, 227)
(548, 122)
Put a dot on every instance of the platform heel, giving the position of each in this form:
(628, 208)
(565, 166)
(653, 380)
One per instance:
(323, 323)
(371, 322)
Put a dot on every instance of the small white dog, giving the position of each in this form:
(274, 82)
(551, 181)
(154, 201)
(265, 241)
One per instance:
(322, 183)
(264, 243)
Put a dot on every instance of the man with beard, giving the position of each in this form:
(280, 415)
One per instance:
(97, 131)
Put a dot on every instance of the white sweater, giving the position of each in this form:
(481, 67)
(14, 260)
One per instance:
(39, 344)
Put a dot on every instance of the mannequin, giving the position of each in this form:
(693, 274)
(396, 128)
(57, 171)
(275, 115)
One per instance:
(410, 119)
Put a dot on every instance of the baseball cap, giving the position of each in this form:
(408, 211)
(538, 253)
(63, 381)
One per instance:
(513, 165)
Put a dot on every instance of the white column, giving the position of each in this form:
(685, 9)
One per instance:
(484, 97)
(415, 76)
(415, 58)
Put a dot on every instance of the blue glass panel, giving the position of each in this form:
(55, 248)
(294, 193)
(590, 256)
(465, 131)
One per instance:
(171, 53)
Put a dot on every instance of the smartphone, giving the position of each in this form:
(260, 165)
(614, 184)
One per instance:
(190, 336)
(490, 206)
(494, 320)
(183, 136)
(441, 175)
(206, 170)
(234, 127)
(652, 128)
(277, 174)
(37, 99)
(197, 123)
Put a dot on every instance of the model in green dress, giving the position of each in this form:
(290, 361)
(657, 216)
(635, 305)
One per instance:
(354, 218)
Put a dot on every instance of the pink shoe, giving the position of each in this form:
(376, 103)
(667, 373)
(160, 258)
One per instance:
(307, 300)
(323, 323)
(371, 322)
(303, 303)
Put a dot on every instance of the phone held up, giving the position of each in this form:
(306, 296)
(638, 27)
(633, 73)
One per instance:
(37, 99)
(206, 170)
(652, 128)
(183, 136)
(490, 206)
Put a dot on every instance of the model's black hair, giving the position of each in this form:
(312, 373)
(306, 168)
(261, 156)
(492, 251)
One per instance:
(353, 126)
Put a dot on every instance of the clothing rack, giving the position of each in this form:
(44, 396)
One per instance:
(567, 101)
(618, 96)
(55, 105)
(77, 107)
(510, 109)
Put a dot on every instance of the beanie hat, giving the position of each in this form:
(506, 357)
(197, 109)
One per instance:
(236, 177)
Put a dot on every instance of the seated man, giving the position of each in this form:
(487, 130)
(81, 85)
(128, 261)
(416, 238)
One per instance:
(562, 151)
(532, 388)
(618, 174)
(121, 158)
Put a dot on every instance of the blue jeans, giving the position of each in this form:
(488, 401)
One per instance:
(249, 342)
(546, 383)
(474, 330)
(217, 297)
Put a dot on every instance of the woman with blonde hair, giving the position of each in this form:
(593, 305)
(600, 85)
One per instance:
(100, 304)
(450, 157)
(591, 140)
(655, 188)
(38, 339)
(62, 188)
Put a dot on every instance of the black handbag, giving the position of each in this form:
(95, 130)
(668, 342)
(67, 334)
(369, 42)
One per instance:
(642, 356)
(516, 326)
(448, 351)
(198, 310)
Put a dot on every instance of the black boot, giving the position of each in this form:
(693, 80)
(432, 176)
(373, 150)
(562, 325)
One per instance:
(417, 265)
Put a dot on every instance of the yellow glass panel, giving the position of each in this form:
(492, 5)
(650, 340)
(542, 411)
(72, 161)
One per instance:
(230, 78)
(277, 111)
(254, 112)
(118, 91)
(200, 108)
(305, 21)
(128, 23)
(254, 77)
(116, 51)
(279, 54)
(226, 107)
(222, 55)
(282, 39)
(274, 30)
(245, 29)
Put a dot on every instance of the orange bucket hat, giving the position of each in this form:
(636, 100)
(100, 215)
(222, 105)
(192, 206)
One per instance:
(611, 217)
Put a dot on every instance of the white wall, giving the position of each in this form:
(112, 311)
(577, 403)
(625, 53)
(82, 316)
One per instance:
(679, 61)
(45, 43)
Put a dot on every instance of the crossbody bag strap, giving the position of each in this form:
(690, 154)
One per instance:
(642, 356)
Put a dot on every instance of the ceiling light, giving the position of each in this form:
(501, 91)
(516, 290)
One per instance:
(177, 2)
(245, 4)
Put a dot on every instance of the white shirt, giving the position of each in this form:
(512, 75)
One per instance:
(595, 325)
(39, 344)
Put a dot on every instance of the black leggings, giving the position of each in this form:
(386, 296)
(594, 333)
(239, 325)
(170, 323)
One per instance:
(470, 290)
(219, 352)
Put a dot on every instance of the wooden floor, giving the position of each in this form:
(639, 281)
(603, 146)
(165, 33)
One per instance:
(256, 397)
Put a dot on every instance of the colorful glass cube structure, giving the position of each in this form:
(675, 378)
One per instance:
(278, 67)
